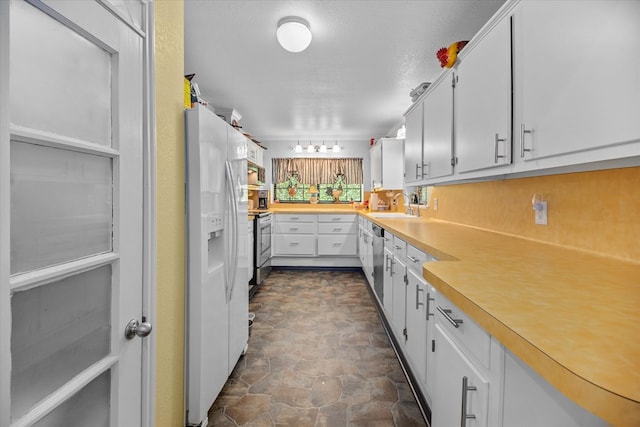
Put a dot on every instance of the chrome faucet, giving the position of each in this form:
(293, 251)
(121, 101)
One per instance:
(410, 210)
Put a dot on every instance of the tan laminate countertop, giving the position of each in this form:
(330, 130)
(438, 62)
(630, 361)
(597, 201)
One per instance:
(572, 316)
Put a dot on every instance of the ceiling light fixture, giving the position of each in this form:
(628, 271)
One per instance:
(293, 34)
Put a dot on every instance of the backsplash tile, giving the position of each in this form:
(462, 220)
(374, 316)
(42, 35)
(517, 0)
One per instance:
(595, 211)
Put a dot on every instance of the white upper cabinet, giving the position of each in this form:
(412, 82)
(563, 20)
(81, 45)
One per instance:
(375, 158)
(577, 80)
(387, 164)
(544, 86)
(428, 146)
(438, 129)
(255, 153)
(483, 102)
(413, 145)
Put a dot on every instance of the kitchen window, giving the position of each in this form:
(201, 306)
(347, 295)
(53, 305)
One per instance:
(317, 180)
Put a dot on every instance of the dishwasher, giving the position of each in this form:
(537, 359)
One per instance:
(378, 260)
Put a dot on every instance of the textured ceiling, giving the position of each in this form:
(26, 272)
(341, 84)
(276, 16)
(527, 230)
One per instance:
(353, 81)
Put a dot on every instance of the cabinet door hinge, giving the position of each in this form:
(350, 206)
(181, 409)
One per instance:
(433, 346)
(404, 332)
(454, 161)
(454, 80)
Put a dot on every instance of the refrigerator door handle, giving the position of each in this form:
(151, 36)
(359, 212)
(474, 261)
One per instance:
(236, 232)
(229, 231)
(233, 202)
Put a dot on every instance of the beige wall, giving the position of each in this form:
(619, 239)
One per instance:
(169, 36)
(594, 211)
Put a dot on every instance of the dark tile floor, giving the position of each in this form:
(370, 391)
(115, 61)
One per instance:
(318, 356)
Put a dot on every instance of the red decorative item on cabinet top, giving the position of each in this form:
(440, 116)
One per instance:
(448, 56)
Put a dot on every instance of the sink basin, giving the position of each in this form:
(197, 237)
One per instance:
(391, 215)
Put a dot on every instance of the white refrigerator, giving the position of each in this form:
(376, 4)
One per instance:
(217, 300)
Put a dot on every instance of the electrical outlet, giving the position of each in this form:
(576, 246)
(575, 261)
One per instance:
(541, 212)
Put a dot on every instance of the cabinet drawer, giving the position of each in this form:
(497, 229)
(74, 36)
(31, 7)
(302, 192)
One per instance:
(399, 247)
(415, 259)
(294, 218)
(344, 244)
(295, 228)
(388, 240)
(337, 228)
(291, 245)
(473, 340)
(336, 218)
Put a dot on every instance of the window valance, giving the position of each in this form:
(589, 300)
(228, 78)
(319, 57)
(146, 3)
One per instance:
(318, 170)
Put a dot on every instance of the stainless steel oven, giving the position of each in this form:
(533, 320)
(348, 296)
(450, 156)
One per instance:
(262, 246)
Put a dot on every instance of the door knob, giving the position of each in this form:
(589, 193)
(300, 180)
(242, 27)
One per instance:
(136, 328)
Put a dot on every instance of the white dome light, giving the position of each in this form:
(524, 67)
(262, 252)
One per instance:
(293, 34)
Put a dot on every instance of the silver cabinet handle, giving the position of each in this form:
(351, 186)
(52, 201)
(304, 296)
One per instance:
(463, 415)
(387, 264)
(337, 230)
(294, 243)
(418, 290)
(429, 299)
(447, 315)
(392, 264)
(412, 258)
(498, 140)
(426, 167)
(294, 218)
(293, 229)
(397, 247)
(336, 219)
(417, 168)
(337, 245)
(523, 131)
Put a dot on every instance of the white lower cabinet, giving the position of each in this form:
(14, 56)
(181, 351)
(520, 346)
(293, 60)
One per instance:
(420, 321)
(399, 291)
(416, 338)
(467, 366)
(340, 245)
(478, 382)
(294, 245)
(337, 235)
(461, 395)
(294, 235)
(365, 248)
(387, 281)
(530, 401)
(310, 240)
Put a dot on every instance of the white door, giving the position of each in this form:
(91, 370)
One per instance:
(71, 216)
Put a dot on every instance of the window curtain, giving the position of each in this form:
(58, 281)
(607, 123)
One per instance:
(317, 171)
